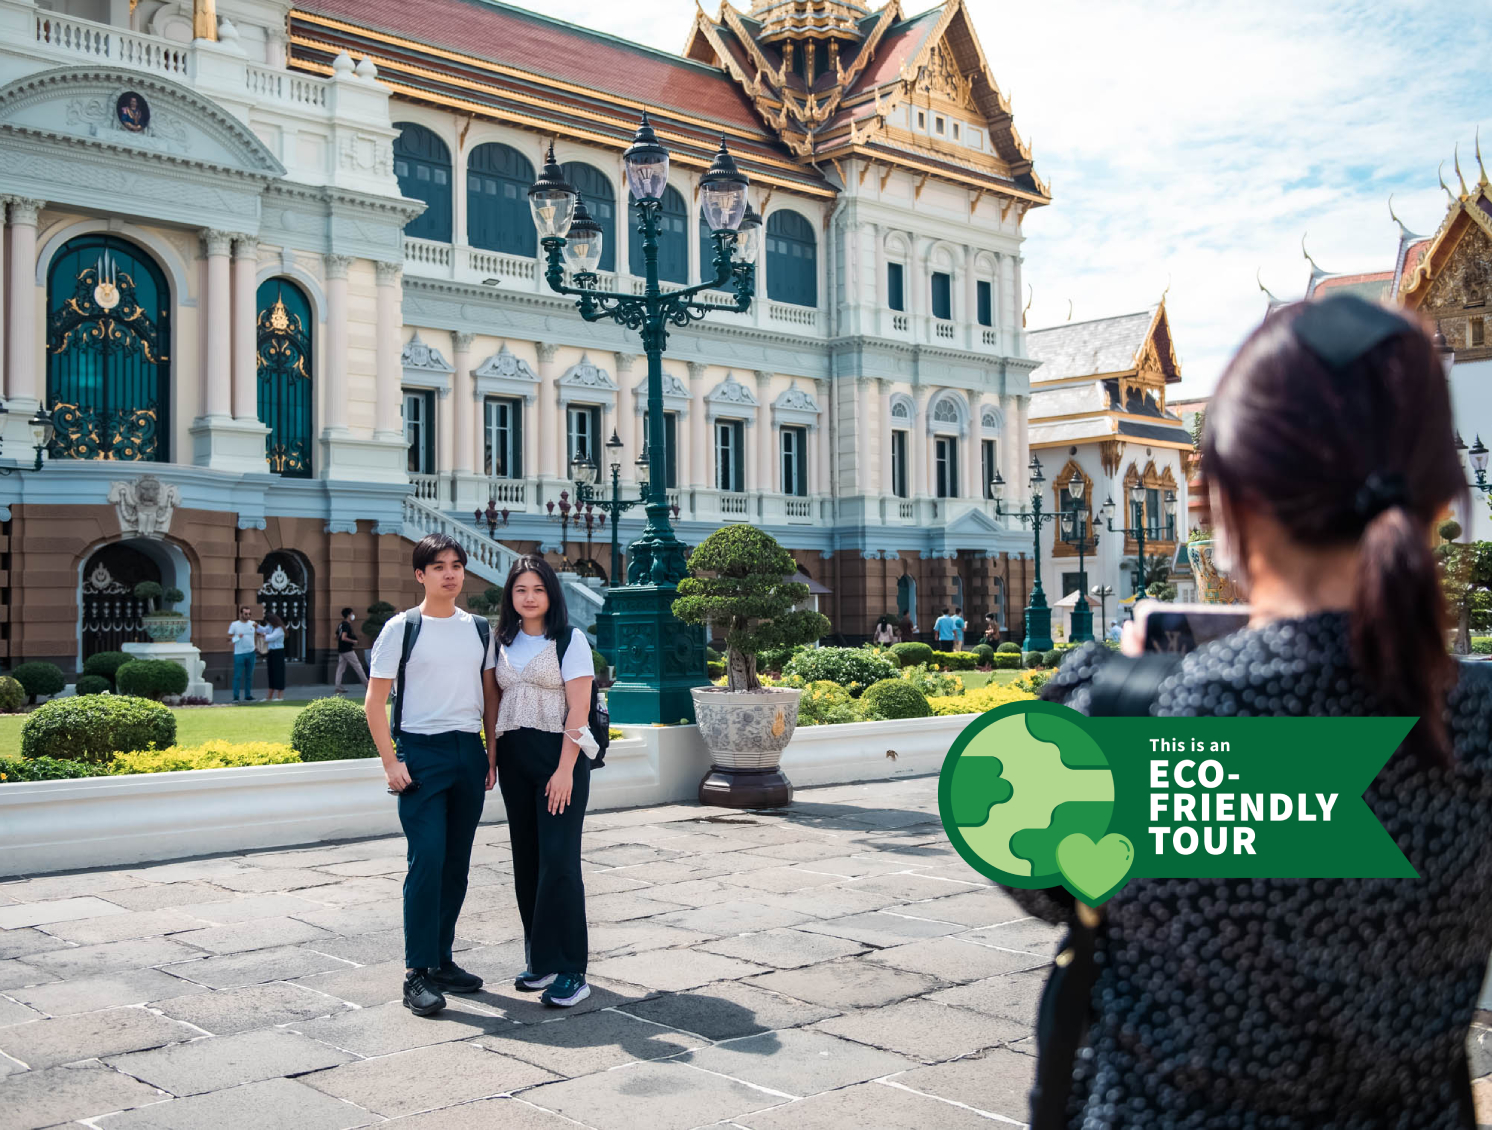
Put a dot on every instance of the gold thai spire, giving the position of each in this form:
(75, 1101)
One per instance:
(204, 19)
(808, 19)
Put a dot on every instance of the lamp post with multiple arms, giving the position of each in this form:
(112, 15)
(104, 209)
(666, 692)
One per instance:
(1075, 523)
(1038, 614)
(1478, 453)
(1103, 592)
(1137, 498)
(659, 658)
(586, 474)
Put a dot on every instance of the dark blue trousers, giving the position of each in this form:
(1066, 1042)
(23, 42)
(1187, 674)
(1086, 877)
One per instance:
(440, 821)
(546, 850)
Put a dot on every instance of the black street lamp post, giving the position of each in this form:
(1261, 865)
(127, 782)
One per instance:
(42, 431)
(492, 516)
(1478, 453)
(1038, 613)
(1076, 522)
(614, 507)
(1103, 592)
(659, 658)
(1137, 498)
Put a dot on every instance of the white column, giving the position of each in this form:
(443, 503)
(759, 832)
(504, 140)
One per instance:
(1023, 445)
(217, 372)
(336, 342)
(1005, 452)
(531, 440)
(883, 407)
(969, 315)
(245, 331)
(388, 377)
(866, 480)
(878, 261)
(25, 378)
(627, 421)
(913, 297)
(920, 445)
(4, 208)
(821, 438)
(698, 438)
(766, 462)
(973, 451)
(445, 433)
(458, 195)
(467, 453)
(552, 454)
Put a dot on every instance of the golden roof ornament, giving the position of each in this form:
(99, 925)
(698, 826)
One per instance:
(279, 318)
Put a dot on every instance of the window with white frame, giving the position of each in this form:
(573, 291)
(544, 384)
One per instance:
(947, 466)
(899, 464)
(670, 446)
(584, 433)
(419, 423)
(730, 455)
(502, 427)
(795, 461)
(988, 448)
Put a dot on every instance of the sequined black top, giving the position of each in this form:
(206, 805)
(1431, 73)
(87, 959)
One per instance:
(1295, 1004)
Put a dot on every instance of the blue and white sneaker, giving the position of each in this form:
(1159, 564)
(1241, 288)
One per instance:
(527, 982)
(568, 989)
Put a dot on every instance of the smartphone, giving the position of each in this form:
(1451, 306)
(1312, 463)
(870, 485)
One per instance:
(1181, 628)
(411, 788)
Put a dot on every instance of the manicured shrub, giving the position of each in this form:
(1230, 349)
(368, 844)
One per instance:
(1031, 681)
(12, 695)
(95, 727)
(40, 678)
(1051, 658)
(379, 613)
(715, 668)
(1033, 658)
(955, 660)
(894, 698)
(106, 663)
(853, 668)
(931, 682)
(1006, 661)
(1481, 645)
(332, 729)
(598, 661)
(42, 769)
(977, 702)
(911, 653)
(776, 658)
(825, 703)
(1009, 647)
(151, 678)
(219, 754)
(713, 656)
(94, 684)
(985, 654)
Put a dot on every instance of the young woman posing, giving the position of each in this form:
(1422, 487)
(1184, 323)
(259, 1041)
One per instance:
(544, 751)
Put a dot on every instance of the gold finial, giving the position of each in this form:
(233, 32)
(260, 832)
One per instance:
(1315, 267)
(1482, 169)
(204, 19)
(1259, 278)
(1069, 309)
(1441, 173)
(279, 318)
(1459, 177)
(1030, 297)
(1167, 290)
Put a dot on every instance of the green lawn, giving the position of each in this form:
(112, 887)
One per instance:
(195, 725)
(973, 680)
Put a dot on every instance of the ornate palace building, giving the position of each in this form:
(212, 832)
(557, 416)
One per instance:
(272, 274)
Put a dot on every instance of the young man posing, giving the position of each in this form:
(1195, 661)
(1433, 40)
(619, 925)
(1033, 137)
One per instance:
(441, 766)
(242, 632)
(347, 651)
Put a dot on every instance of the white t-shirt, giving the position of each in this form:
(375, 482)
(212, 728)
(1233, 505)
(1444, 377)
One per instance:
(242, 632)
(578, 663)
(443, 679)
(275, 638)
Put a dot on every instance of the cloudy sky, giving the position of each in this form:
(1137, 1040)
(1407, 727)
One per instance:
(1195, 143)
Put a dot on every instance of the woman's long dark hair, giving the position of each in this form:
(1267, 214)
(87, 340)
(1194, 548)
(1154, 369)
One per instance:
(274, 620)
(1360, 452)
(555, 620)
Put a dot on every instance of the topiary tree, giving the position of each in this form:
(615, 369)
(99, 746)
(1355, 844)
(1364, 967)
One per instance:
(12, 695)
(40, 678)
(93, 684)
(853, 668)
(379, 613)
(106, 663)
(151, 678)
(912, 653)
(1465, 578)
(1009, 647)
(332, 729)
(894, 698)
(95, 727)
(150, 592)
(984, 654)
(747, 595)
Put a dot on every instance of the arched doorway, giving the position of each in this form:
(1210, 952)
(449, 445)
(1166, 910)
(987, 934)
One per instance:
(906, 597)
(422, 164)
(108, 351)
(111, 616)
(286, 362)
(285, 591)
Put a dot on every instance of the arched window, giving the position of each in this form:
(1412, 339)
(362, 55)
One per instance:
(600, 200)
(792, 259)
(497, 213)
(108, 352)
(423, 165)
(673, 237)
(285, 359)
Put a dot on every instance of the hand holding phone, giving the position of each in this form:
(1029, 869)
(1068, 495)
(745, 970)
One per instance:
(1180, 628)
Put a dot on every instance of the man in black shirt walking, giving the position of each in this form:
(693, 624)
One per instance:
(347, 651)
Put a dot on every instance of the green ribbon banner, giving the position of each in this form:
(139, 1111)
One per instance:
(1036, 795)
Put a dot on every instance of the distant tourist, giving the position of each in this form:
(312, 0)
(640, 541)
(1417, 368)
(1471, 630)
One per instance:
(544, 668)
(885, 633)
(347, 651)
(944, 628)
(242, 632)
(274, 638)
(959, 628)
(991, 630)
(907, 628)
(439, 660)
(1113, 632)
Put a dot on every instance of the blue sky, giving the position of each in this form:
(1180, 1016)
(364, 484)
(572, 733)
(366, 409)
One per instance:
(1195, 143)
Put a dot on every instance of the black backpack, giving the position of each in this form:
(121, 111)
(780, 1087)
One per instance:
(412, 621)
(600, 718)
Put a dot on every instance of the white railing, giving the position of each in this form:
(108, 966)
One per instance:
(507, 490)
(499, 265)
(899, 323)
(640, 286)
(733, 504)
(425, 487)
(486, 557)
(428, 253)
(285, 86)
(83, 40)
(992, 337)
(671, 497)
(906, 511)
(799, 508)
(793, 315)
(944, 330)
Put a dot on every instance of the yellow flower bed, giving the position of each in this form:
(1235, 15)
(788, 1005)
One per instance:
(978, 701)
(219, 754)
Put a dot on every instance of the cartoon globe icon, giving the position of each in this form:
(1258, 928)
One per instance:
(1018, 782)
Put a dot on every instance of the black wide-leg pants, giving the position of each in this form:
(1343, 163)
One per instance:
(440, 821)
(546, 850)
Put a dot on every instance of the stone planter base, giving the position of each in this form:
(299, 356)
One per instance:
(745, 788)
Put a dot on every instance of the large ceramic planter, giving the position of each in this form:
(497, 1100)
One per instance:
(746, 732)
(162, 627)
(1212, 586)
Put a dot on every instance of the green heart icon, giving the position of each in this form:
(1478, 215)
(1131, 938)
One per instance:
(1095, 869)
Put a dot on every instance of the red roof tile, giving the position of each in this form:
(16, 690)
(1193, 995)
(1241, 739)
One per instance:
(1412, 256)
(900, 45)
(1374, 284)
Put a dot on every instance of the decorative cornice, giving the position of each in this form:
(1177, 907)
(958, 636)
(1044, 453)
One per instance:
(217, 242)
(337, 265)
(388, 272)
(507, 366)
(24, 210)
(546, 351)
(461, 341)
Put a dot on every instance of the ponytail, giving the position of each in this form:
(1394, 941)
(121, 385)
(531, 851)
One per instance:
(1398, 628)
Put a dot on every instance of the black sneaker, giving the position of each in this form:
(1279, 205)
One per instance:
(420, 996)
(453, 979)
(527, 982)
(568, 989)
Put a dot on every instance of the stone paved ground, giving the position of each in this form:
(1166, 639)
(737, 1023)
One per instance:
(835, 965)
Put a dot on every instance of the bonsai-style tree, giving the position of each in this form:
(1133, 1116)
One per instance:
(1466, 578)
(150, 592)
(170, 597)
(746, 594)
(489, 603)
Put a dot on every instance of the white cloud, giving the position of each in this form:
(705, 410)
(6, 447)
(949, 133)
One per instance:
(1196, 142)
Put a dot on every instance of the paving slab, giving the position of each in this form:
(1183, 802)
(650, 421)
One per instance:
(683, 969)
(24, 942)
(691, 892)
(659, 1096)
(389, 1028)
(847, 983)
(611, 939)
(797, 1062)
(827, 902)
(623, 906)
(358, 918)
(120, 926)
(246, 908)
(375, 948)
(68, 1039)
(924, 1030)
(253, 880)
(1026, 935)
(136, 953)
(108, 990)
(881, 928)
(998, 1081)
(426, 1079)
(784, 948)
(216, 1063)
(349, 892)
(726, 918)
(952, 959)
(13, 1013)
(226, 1012)
(262, 933)
(728, 1009)
(16, 915)
(165, 896)
(274, 1104)
(988, 907)
(380, 865)
(67, 886)
(59, 1094)
(186, 869)
(597, 1041)
(867, 1104)
(1016, 996)
(486, 1114)
(17, 974)
(281, 963)
(365, 985)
